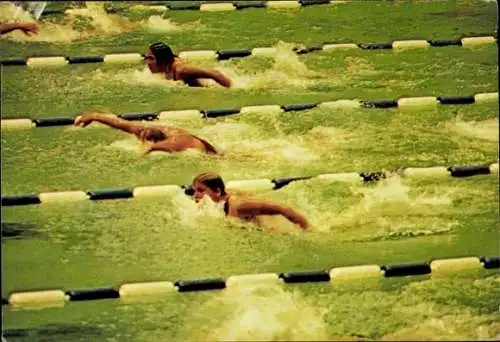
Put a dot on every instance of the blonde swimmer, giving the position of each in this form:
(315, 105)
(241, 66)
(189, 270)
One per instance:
(211, 185)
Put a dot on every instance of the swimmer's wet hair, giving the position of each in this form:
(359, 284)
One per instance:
(211, 180)
(163, 53)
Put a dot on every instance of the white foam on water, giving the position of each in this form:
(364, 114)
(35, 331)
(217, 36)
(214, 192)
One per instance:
(194, 215)
(393, 191)
(133, 76)
(129, 145)
(9, 11)
(386, 210)
(99, 22)
(156, 23)
(241, 140)
(47, 31)
(278, 223)
(258, 313)
(231, 131)
(270, 149)
(209, 214)
(287, 70)
(297, 154)
(145, 77)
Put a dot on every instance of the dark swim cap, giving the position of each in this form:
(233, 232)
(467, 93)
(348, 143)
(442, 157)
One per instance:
(162, 52)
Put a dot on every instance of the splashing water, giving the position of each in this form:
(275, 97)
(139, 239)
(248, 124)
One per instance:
(209, 214)
(9, 12)
(387, 210)
(145, 77)
(192, 214)
(258, 313)
(243, 141)
(47, 31)
(231, 131)
(156, 23)
(35, 8)
(287, 70)
(133, 76)
(132, 145)
(393, 191)
(96, 19)
(269, 150)
(101, 21)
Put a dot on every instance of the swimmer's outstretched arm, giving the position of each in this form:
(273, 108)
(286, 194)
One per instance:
(263, 208)
(110, 120)
(27, 28)
(190, 72)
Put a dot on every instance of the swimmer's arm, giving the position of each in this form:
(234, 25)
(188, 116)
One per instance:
(110, 120)
(25, 27)
(190, 72)
(167, 146)
(181, 143)
(263, 208)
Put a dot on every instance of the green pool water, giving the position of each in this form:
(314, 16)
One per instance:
(168, 238)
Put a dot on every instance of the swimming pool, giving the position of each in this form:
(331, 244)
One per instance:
(92, 244)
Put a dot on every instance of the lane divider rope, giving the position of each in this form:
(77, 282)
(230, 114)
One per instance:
(408, 103)
(225, 54)
(211, 6)
(438, 172)
(130, 291)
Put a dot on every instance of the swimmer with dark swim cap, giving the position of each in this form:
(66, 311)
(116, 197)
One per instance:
(161, 59)
(160, 138)
(211, 185)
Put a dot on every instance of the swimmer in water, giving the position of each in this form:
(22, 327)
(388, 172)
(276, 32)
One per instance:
(28, 28)
(211, 185)
(160, 138)
(161, 59)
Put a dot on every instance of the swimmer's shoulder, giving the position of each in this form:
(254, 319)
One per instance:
(180, 63)
(239, 197)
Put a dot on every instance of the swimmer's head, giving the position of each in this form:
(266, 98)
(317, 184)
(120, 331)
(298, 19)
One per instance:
(159, 56)
(152, 134)
(210, 184)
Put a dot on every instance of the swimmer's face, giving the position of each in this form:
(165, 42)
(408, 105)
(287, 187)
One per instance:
(151, 62)
(201, 190)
